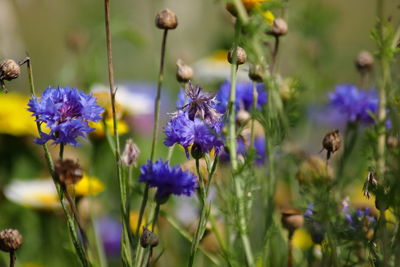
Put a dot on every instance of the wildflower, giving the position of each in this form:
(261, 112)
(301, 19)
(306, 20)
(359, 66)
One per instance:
(355, 104)
(14, 118)
(314, 227)
(9, 70)
(131, 153)
(109, 231)
(168, 180)
(99, 131)
(68, 171)
(364, 62)
(66, 112)
(257, 73)
(331, 143)
(244, 96)
(279, 27)
(291, 219)
(88, 186)
(268, 17)
(10, 240)
(200, 104)
(185, 132)
(358, 222)
(313, 171)
(166, 19)
(184, 73)
(243, 150)
(148, 238)
(241, 55)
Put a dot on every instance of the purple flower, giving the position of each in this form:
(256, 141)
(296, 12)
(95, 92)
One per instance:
(185, 132)
(168, 180)
(357, 219)
(66, 112)
(109, 231)
(244, 96)
(314, 227)
(355, 104)
(242, 149)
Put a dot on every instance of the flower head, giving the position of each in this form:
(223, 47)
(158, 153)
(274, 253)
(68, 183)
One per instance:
(66, 112)
(185, 132)
(168, 180)
(244, 96)
(355, 104)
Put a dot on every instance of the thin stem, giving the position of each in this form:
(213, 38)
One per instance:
(290, 249)
(79, 250)
(203, 217)
(13, 258)
(125, 241)
(275, 54)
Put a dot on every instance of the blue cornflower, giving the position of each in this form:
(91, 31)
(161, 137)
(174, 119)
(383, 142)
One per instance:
(168, 180)
(66, 112)
(198, 104)
(185, 132)
(355, 104)
(244, 96)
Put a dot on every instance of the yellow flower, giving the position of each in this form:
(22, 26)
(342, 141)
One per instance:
(133, 219)
(15, 119)
(269, 17)
(99, 128)
(302, 239)
(88, 186)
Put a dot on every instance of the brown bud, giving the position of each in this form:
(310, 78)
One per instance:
(68, 172)
(292, 219)
(243, 117)
(279, 27)
(9, 70)
(166, 20)
(148, 238)
(10, 240)
(331, 143)
(256, 73)
(392, 141)
(131, 153)
(364, 61)
(184, 73)
(241, 55)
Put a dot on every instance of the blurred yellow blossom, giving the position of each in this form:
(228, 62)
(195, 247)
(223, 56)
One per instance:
(269, 17)
(14, 116)
(302, 239)
(133, 219)
(99, 128)
(88, 185)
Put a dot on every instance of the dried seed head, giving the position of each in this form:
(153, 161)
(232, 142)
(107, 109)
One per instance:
(9, 70)
(148, 238)
(331, 143)
(313, 171)
(256, 73)
(131, 153)
(364, 62)
(166, 20)
(184, 73)
(292, 219)
(241, 55)
(10, 240)
(279, 28)
(68, 172)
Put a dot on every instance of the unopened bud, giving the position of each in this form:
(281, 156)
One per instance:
(241, 55)
(243, 117)
(279, 28)
(184, 73)
(166, 20)
(68, 172)
(196, 151)
(364, 61)
(131, 153)
(256, 73)
(331, 143)
(292, 219)
(148, 238)
(9, 70)
(10, 240)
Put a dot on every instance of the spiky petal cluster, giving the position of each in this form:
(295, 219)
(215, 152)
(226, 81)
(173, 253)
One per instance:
(168, 180)
(185, 132)
(244, 96)
(66, 112)
(354, 103)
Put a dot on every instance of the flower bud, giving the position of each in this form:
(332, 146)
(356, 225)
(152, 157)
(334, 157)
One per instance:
(9, 70)
(256, 73)
(184, 73)
(279, 28)
(131, 153)
(196, 151)
(292, 219)
(364, 62)
(166, 20)
(331, 143)
(243, 117)
(10, 240)
(148, 238)
(68, 172)
(241, 55)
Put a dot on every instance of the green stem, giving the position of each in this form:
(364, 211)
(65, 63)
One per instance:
(79, 250)
(203, 217)
(125, 241)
